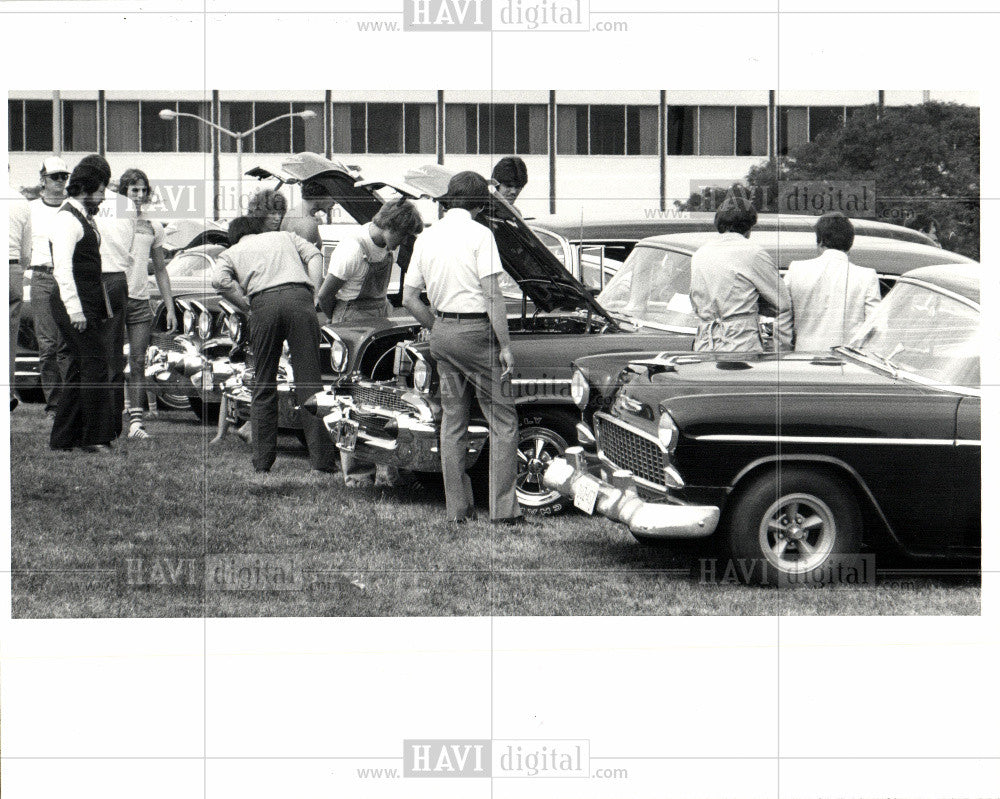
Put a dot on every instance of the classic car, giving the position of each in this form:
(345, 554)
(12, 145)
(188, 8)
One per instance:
(583, 242)
(795, 463)
(645, 307)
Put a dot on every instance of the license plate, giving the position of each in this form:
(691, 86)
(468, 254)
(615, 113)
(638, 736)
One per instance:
(347, 436)
(585, 495)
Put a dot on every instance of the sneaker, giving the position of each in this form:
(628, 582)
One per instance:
(50, 416)
(136, 430)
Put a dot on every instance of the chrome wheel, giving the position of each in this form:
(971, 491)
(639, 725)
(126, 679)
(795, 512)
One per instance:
(797, 533)
(536, 447)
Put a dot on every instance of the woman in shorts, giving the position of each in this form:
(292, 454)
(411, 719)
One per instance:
(145, 239)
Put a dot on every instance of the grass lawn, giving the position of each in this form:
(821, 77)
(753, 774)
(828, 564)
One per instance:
(168, 527)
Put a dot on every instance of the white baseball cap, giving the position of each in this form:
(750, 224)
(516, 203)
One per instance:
(54, 165)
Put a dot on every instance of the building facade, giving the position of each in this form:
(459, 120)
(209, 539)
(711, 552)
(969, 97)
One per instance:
(625, 151)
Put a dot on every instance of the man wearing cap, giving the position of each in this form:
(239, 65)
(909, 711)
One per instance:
(85, 414)
(19, 247)
(457, 262)
(52, 356)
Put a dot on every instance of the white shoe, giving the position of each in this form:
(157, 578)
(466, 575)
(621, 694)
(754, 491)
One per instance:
(136, 430)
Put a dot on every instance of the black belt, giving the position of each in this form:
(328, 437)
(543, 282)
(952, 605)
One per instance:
(450, 315)
(43, 269)
(281, 287)
(15, 261)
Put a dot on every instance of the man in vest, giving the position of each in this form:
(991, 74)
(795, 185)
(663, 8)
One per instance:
(85, 414)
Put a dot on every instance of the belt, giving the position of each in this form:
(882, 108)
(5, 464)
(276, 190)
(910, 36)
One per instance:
(450, 315)
(42, 269)
(15, 261)
(281, 287)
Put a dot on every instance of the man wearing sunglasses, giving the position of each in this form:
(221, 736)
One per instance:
(52, 353)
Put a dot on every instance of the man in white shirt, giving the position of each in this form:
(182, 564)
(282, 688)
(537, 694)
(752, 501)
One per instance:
(457, 262)
(19, 247)
(729, 276)
(52, 353)
(831, 296)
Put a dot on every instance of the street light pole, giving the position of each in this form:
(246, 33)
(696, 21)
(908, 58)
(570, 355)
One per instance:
(169, 114)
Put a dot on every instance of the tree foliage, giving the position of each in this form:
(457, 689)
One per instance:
(924, 160)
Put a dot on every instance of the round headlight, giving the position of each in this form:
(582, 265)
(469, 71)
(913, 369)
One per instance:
(188, 322)
(338, 355)
(234, 326)
(205, 325)
(421, 375)
(579, 389)
(666, 431)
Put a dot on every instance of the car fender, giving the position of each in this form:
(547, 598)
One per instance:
(840, 466)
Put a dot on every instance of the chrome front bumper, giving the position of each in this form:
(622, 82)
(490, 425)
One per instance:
(619, 501)
(406, 441)
(189, 372)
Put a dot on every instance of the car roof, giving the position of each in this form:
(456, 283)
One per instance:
(632, 227)
(962, 279)
(886, 256)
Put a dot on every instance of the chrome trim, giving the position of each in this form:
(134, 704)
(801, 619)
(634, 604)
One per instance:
(619, 501)
(525, 380)
(933, 287)
(934, 442)
(967, 442)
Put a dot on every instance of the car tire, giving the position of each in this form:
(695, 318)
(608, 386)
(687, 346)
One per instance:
(208, 412)
(541, 436)
(766, 545)
(172, 402)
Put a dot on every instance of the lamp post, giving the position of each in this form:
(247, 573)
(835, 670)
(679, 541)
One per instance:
(168, 114)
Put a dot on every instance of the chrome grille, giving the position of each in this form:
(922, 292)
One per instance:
(167, 343)
(627, 449)
(376, 396)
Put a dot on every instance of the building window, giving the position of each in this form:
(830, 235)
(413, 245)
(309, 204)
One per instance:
(156, 135)
(385, 128)
(420, 123)
(824, 118)
(681, 123)
(607, 130)
(79, 121)
(642, 130)
(793, 128)
(307, 134)
(194, 136)
(276, 137)
(15, 125)
(751, 130)
(123, 127)
(29, 125)
(236, 117)
(496, 129)
(349, 127)
(716, 130)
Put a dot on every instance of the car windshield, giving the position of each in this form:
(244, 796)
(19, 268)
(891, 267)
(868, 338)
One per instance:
(552, 244)
(654, 286)
(923, 333)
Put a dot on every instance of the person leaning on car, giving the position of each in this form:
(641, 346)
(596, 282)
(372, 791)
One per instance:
(458, 263)
(831, 296)
(355, 291)
(729, 277)
(273, 275)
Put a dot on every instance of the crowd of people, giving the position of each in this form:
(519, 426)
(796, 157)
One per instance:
(89, 289)
(89, 293)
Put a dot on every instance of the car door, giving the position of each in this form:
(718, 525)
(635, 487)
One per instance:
(967, 501)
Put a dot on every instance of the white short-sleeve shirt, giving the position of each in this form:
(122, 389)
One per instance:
(449, 260)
